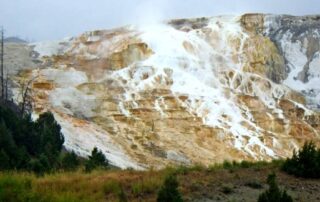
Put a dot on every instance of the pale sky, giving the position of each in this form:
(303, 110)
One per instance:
(55, 19)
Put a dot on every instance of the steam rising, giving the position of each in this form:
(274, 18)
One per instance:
(150, 12)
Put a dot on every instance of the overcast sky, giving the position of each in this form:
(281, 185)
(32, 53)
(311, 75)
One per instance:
(54, 19)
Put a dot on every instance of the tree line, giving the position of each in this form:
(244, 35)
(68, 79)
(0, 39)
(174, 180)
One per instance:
(38, 146)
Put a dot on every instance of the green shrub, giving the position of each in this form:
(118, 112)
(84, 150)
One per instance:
(169, 191)
(36, 166)
(96, 159)
(70, 161)
(274, 194)
(182, 170)
(245, 164)
(227, 189)
(305, 163)
(228, 165)
(254, 185)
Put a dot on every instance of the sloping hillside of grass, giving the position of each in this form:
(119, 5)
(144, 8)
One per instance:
(227, 182)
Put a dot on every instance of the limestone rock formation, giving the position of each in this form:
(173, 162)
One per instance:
(185, 91)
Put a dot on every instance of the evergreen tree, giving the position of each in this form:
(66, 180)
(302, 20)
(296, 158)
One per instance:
(96, 159)
(305, 163)
(22, 158)
(4, 160)
(29, 145)
(50, 133)
(70, 161)
(274, 194)
(36, 166)
(169, 191)
(6, 140)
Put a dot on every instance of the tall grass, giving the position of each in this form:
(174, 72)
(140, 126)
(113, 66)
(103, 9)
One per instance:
(16, 188)
(146, 186)
(102, 185)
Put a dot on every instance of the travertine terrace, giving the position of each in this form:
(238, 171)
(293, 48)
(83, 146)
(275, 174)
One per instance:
(184, 91)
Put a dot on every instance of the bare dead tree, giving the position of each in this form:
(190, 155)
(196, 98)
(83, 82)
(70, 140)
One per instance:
(26, 93)
(1, 65)
(6, 86)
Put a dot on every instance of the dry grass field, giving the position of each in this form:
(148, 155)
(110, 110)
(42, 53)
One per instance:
(227, 182)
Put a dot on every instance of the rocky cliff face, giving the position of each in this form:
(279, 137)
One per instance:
(186, 91)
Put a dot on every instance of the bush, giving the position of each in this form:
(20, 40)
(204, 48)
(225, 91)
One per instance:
(36, 166)
(96, 159)
(70, 161)
(254, 185)
(169, 191)
(305, 163)
(227, 189)
(274, 194)
(228, 165)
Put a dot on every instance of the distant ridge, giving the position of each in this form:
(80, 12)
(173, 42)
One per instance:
(13, 39)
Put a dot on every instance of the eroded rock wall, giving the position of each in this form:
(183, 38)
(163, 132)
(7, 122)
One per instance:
(184, 92)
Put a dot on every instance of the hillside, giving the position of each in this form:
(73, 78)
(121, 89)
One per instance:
(14, 39)
(186, 91)
(195, 184)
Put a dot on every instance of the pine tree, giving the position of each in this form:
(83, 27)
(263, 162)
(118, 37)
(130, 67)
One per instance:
(274, 194)
(22, 158)
(50, 132)
(6, 139)
(70, 161)
(36, 166)
(4, 160)
(96, 159)
(29, 145)
(169, 191)
(305, 163)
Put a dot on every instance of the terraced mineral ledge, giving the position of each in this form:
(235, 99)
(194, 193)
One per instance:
(184, 91)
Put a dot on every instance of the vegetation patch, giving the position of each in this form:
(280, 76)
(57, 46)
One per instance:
(274, 194)
(146, 186)
(16, 189)
(28, 145)
(227, 189)
(254, 184)
(169, 191)
(304, 163)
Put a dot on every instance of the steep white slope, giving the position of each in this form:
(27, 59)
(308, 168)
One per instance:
(198, 73)
(83, 137)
